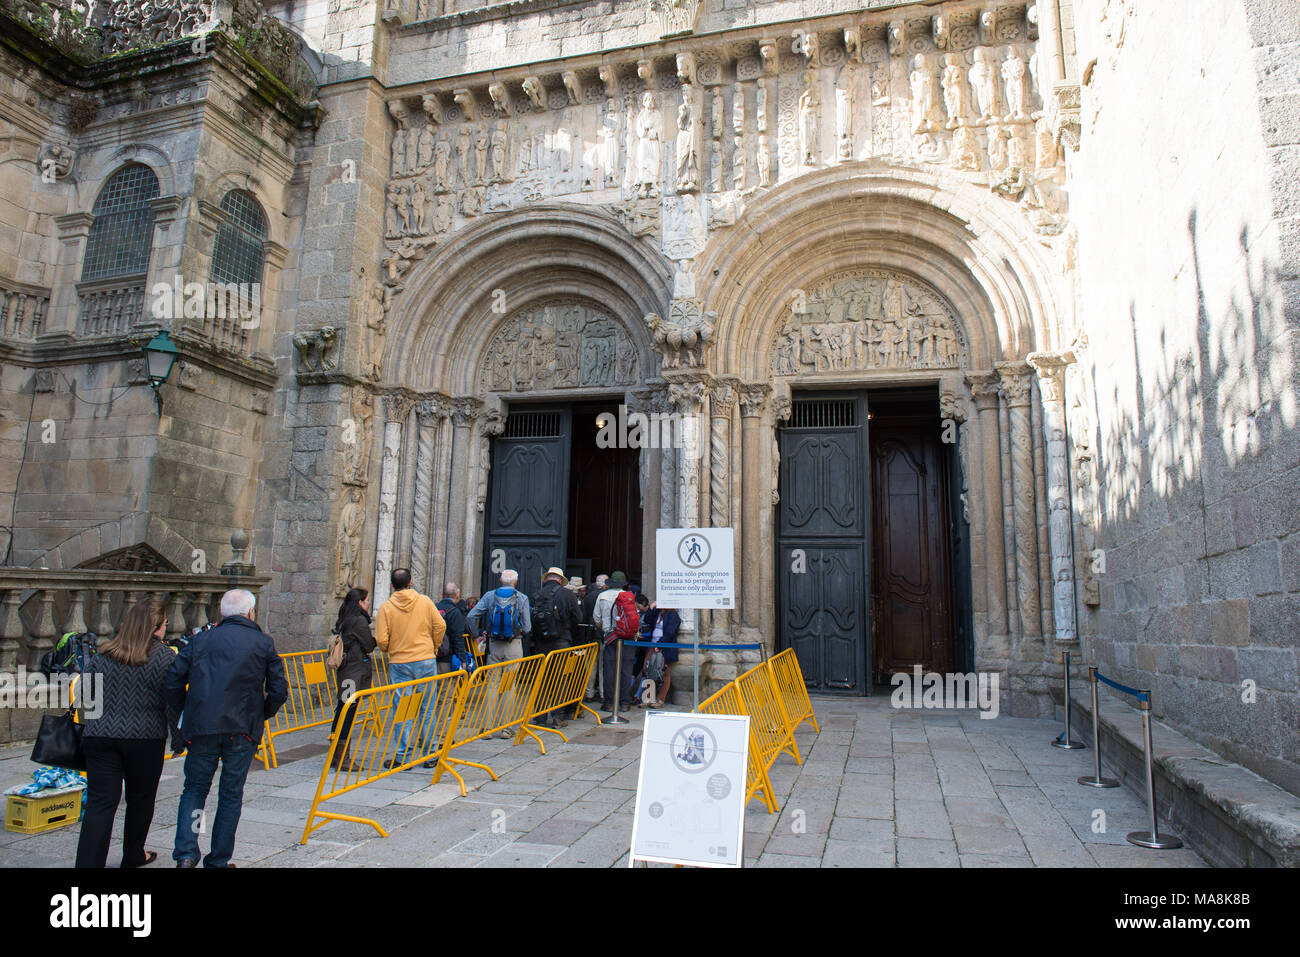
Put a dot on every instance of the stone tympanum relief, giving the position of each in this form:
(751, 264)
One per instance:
(872, 319)
(560, 345)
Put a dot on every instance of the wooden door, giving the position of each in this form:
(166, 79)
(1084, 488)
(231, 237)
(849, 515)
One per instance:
(823, 528)
(912, 581)
(527, 509)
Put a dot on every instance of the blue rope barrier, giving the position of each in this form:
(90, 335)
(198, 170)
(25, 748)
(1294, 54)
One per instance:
(1140, 695)
(690, 647)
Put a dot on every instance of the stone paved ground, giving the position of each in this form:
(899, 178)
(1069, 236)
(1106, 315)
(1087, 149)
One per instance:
(878, 788)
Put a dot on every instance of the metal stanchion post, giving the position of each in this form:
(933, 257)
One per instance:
(1096, 781)
(1065, 742)
(1152, 839)
(615, 717)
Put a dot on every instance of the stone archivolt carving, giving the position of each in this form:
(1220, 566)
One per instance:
(873, 319)
(560, 345)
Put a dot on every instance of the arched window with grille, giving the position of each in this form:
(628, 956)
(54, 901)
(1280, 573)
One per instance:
(238, 256)
(121, 236)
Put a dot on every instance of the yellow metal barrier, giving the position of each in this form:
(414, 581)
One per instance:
(425, 709)
(498, 697)
(792, 690)
(564, 682)
(312, 694)
(729, 701)
(768, 721)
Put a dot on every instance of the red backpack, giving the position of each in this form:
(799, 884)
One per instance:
(627, 623)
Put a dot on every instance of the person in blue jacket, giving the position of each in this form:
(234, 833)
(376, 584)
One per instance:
(661, 624)
(225, 683)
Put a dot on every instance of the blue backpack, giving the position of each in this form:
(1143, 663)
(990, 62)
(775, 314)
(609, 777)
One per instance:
(503, 617)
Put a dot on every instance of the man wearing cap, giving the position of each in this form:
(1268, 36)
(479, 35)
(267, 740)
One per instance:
(556, 617)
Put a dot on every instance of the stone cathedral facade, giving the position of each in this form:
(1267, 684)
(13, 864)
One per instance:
(980, 315)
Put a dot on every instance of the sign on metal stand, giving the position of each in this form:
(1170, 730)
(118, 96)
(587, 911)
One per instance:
(690, 790)
(695, 569)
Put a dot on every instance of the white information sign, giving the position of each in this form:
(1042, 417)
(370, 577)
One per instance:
(690, 793)
(695, 568)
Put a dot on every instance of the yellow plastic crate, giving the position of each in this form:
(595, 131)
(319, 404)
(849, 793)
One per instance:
(36, 813)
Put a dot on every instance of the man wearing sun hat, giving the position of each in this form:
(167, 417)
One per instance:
(556, 617)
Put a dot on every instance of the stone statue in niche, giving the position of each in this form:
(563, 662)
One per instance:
(688, 160)
(481, 145)
(357, 453)
(425, 153)
(809, 119)
(648, 124)
(500, 148)
(399, 151)
(867, 320)
(923, 98)
(442, 166)
(1013, 76)
(419, 209)
(956, 94)
(464, 146)
(395, 204)
(560, 346)
(611, 130)
(984, 81)
(373, 311)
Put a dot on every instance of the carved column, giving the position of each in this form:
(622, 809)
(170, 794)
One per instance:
(428, 418)
(463, 412)
(440, 481)
(1048, 619)
(984, 390)
(687, 399)
(722, 402)
(752, 398)
(1016, 384)
(492, 422)
(660, 405)
(396, 408)
(1051, 383)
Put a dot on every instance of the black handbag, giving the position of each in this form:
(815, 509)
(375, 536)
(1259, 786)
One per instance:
(58, 743)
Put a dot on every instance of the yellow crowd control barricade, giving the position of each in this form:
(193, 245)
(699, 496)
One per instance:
(312, 695)
(564, 682)
(787, 676)
(393, 728)
(768, 721)
(498, 697)
(379, 665)
(729, 701)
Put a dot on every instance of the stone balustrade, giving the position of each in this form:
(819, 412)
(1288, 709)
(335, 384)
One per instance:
(22, 310)
(40, 605)
(110, 308)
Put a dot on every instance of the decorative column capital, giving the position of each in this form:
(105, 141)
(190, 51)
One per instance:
(953, 404)
(687, 395)
(1016, 381)
(723, 395)
(430, 408)
(464, 410)
(397, 405)
(753, 396)
(1050, 367)
(984, 389)
(492, 422)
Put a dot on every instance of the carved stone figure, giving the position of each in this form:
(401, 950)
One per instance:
(681, 338)
(317, 349)
(688, 160)
(559, 346)
(426, 148)
(611, 128)
(395, 204)
(1046, 152)
(399, 152)
(374, 308)
(739, 162)
(357, 455)
(419, 209)
(500, 145)
(965, 149)
(535, 91)
(923, 99)
(764, 162)
(645, 180)
(442, 166)
(984, 81)
(809, 119)
(464, 144)
(481, 144)
(1014, 76)
(997, 148)
(347, 542)
(844, 113)
(956, 93)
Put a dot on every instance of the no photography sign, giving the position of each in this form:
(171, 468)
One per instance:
(696, 568)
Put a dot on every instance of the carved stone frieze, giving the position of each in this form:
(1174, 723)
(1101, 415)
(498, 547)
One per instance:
(872, 319)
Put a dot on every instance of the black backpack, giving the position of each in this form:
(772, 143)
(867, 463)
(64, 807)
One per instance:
(548, 621)
(71, 655)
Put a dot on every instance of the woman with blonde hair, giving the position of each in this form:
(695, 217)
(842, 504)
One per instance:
(126, 729)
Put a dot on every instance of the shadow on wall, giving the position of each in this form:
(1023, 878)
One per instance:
(1198, 487)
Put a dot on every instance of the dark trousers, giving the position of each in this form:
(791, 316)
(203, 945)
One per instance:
(351, 678)
(625, 674)
(234, 752)
(109, 763)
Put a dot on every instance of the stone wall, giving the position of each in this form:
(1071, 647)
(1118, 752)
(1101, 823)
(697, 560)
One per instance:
(1186, 192)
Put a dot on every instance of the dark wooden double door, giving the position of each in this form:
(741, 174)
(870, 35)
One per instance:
(556, 498)
(865, 539)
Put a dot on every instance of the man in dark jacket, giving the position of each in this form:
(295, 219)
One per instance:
(556, 617)
(235, 683)
(453, 613)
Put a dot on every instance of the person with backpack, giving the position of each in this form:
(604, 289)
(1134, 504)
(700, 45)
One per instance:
(355, 671)
(508, 620)
(616, 616)
(125, 743)
(660, 624)
(556, 617)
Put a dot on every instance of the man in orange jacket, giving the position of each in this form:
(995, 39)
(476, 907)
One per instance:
(409, 629)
